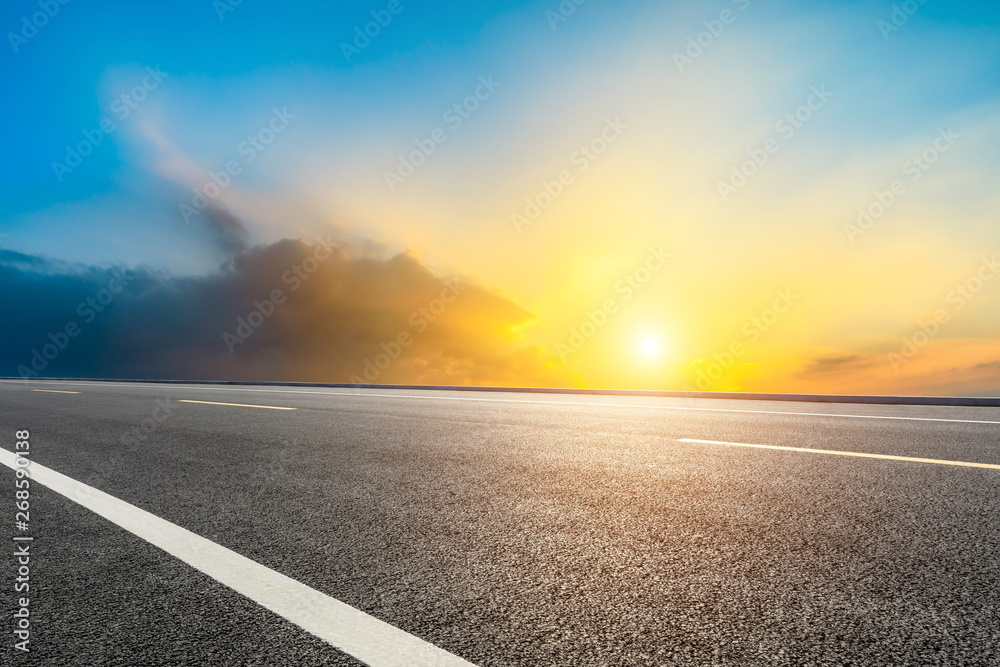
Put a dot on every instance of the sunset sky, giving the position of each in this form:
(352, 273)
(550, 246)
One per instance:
(727, 196)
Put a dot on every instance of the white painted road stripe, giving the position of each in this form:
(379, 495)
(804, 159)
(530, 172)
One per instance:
(237, 405)
(348, 629)
(837, 452)
(55, 391)
(577, 403)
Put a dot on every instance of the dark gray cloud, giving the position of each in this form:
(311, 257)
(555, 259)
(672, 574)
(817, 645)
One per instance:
(292, 311)
(227, 231)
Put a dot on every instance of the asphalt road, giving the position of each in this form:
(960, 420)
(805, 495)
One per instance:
(513, 529)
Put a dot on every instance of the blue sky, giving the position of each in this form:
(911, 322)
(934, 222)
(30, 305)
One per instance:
(59, 74)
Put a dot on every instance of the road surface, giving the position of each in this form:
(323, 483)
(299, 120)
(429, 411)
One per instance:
(500, 528)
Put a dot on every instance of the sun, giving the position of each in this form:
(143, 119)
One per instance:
(650, 347)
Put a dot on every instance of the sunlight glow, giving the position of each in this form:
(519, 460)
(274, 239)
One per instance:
(651, 347)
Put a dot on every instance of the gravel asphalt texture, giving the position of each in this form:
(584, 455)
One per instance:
(514, 529)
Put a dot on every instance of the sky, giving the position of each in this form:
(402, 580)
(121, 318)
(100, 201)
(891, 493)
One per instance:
(734, 195)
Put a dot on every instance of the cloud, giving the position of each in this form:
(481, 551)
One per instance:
(227, 230)
(287, 311)
(832, 365)
(945, 367)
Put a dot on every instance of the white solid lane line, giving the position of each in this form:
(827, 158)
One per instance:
(237, 405)
(348, 629)
(571, 403)
(839, 452)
